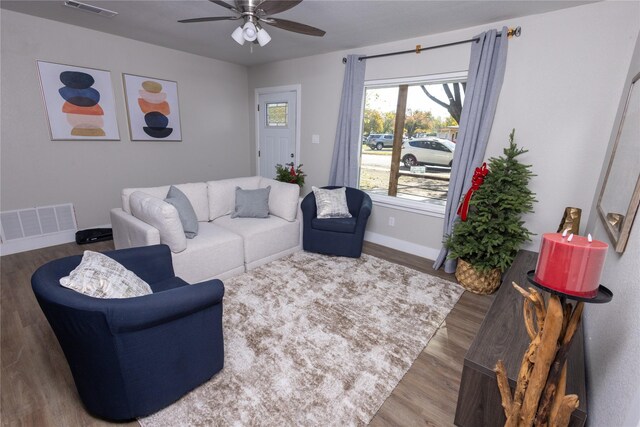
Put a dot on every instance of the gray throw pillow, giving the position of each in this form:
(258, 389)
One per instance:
(252, 203)
(186, 213)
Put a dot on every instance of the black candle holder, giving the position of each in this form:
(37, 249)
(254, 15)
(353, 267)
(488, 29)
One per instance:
(603, 296)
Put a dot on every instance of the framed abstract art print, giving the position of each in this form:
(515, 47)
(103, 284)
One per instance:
(152, 108)
(79, 102)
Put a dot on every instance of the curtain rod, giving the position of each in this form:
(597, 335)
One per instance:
(512, 32)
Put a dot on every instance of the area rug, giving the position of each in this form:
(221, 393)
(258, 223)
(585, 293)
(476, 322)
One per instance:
(313, 340)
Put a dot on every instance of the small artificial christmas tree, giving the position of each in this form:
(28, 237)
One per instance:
(494, 231)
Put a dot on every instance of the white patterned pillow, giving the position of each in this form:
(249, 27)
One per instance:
(331, 203)
(100, 276)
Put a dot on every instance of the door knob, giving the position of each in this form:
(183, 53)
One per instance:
(292, 155)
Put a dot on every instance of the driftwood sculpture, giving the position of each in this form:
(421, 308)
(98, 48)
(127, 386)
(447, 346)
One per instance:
(539, 397)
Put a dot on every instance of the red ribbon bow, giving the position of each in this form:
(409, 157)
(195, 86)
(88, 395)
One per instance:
(476, 182)
(294, 177)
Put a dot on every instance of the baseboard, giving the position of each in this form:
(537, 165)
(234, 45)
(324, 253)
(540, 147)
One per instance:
(38, 242)
(402, 245)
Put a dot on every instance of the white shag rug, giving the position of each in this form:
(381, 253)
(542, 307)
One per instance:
(313, 340)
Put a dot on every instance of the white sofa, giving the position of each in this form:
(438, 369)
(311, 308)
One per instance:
(224, 246)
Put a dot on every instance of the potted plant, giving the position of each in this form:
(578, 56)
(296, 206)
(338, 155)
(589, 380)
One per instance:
(488, 241)
(288, 173)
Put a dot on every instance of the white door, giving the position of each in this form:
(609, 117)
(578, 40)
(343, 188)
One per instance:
(277, 131)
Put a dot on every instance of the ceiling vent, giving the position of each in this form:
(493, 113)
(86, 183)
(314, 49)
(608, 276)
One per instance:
(89, 8)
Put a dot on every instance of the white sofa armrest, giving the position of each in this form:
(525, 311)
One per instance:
(129, 231)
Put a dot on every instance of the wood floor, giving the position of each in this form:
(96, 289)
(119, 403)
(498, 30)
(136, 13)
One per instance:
(36, 387)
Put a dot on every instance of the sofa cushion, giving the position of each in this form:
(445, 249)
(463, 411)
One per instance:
(339, 225)
(196, 193)
(159, 192)
(187, 216)
(161, 215)
(283, 199)
(331, 203)
(100, 276)
(263, 236)
(214, 251)
(251, 203)
(222, 194)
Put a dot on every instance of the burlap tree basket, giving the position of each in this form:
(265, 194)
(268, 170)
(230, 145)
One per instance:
(478, 282)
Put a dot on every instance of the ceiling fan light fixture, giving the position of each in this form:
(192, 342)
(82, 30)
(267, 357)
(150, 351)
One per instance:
(263, 36)
(249, 31)
(238, 35)
(252, 13)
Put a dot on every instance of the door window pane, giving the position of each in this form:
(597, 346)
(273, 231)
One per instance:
(277, 114)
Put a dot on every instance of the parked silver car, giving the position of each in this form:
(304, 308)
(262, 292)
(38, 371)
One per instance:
(379, 141)
(427, 151)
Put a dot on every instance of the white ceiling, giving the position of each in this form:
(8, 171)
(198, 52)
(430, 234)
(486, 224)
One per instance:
(349, 24)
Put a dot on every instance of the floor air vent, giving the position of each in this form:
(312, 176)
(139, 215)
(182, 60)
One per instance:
(53, 224)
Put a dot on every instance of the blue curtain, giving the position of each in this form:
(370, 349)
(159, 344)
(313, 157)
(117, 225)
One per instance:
(344, 165)
(486, 73)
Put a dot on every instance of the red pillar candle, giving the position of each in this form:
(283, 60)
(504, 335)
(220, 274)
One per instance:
(572, 266)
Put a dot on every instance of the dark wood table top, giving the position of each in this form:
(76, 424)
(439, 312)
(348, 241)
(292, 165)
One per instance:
(502, 334)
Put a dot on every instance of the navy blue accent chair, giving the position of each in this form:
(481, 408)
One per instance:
(131, 357)
(336, 236)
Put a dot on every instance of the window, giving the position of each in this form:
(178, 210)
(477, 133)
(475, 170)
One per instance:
(440, 147)
(277, 114)
(415, 174)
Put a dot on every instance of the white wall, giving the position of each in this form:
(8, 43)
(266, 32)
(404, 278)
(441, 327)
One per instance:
(36, 171)
(612, 338)
(563, 80)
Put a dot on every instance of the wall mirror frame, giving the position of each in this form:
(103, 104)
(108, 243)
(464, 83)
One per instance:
(620, 194)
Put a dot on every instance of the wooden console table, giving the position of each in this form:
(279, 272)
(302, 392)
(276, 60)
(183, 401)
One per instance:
(502, 335)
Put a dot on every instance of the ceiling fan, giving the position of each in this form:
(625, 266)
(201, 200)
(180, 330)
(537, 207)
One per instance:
(257, 12)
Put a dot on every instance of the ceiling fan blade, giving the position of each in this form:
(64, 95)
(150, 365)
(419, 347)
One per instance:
(296, 27)
(225, 4)
(271, 7)
(211, 18)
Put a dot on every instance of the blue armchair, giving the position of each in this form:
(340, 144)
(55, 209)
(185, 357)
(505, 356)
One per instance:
(131, 357)
(336, 236)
